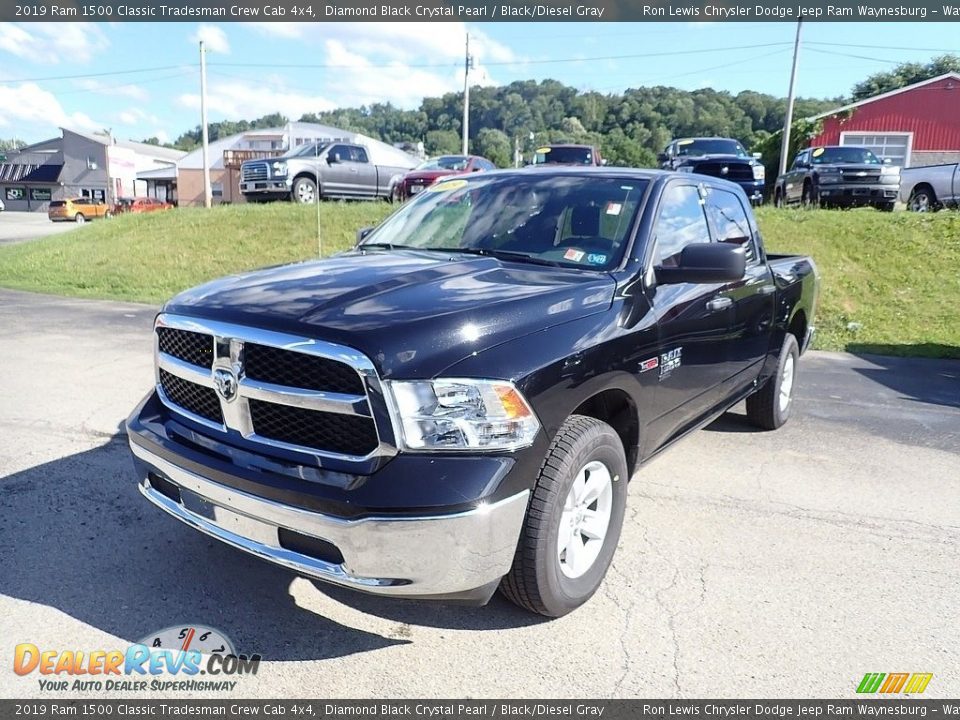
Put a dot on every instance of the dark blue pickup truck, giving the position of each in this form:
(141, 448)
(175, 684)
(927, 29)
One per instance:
(718, 157)
(458, 403)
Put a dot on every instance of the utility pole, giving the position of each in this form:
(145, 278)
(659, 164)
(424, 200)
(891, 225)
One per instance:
(788, 120)
(468, 63)
(207, 192)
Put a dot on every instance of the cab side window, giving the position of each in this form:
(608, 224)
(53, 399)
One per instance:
(730, 221)
(800, 160)
(681, 222)
(358, 154)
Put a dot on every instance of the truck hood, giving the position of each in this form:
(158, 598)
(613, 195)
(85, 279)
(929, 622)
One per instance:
(413, 313)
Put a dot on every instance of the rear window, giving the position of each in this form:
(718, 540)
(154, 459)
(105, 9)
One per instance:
(563, 156)
(57, 203)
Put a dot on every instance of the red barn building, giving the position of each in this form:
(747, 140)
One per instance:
(915, 125)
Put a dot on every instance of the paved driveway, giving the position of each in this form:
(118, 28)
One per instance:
(17, 227)
(781, 564)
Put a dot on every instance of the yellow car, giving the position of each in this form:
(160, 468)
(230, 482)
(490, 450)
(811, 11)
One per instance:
(78, 210)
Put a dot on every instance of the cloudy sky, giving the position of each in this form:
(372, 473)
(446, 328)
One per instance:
(142, 79)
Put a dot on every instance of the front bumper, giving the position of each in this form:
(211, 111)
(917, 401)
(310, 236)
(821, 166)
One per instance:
(754, 190)
(458, 554)
(265, 187)
(858, 193)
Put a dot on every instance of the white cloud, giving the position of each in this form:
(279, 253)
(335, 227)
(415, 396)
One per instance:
(29, 104)
(238, 99)
(213, 37)
(52, 43)
(137, 116)
(127, 90)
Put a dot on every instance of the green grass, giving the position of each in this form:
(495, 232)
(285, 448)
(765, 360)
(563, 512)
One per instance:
(890, 282)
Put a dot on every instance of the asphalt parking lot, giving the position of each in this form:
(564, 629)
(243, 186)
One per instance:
(18, 227)
(752, 564)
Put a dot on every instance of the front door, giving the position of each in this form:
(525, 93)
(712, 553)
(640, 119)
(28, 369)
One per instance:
(693, 320)
(338, 176)
(793, 180)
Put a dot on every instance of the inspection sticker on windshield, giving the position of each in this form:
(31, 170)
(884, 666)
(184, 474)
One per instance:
(573, 254)
(447, 186)
(596, 258)
(614, 208)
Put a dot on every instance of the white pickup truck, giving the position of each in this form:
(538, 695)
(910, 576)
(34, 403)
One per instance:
(925, 189)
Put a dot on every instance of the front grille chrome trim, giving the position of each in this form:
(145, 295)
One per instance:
(236, 411)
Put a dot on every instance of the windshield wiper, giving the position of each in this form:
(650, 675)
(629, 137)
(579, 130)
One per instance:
(501, 255)
(387, 246)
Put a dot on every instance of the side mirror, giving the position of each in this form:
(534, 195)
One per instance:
(757, 156)
(887, 161)
(362, 233)
(333, 159)
(706, 263)
(663, 157)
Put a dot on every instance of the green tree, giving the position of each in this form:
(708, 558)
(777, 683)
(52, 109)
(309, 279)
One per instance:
(903, 75)
(495, 146)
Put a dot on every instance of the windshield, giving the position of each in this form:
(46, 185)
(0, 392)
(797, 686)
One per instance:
(563, 156)
(313, 150)
(717, 146)
(844, 156)
(447, 162)
(581, 222)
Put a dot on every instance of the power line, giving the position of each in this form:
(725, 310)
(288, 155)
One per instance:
(181, 66)
(881, 47)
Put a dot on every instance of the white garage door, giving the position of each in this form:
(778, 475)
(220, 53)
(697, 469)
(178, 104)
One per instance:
(895, 146)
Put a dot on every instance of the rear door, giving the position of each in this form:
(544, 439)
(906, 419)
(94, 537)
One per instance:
(753, 297)
(693, 320)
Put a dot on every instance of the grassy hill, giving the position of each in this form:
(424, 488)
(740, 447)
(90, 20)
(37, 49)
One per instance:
(890, 282)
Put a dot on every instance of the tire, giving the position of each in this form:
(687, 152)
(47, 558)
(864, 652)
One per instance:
(79, 219)
(107, 215)
(769, 407)
(810, 198)
(922, 199)
(304, 191)
(778, 199)
(545, 578)
(395, 195)
(886, 207)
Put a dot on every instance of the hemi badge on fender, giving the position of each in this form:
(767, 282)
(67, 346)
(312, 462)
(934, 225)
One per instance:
(649, 364)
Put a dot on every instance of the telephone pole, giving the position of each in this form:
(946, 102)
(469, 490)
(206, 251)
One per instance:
(468, 63)
(207, 193)
(788, 120)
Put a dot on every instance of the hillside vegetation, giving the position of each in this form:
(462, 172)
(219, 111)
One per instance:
(890, 282)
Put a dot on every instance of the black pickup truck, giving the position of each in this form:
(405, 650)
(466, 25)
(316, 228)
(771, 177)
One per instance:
(458, 403)
(718, 157)
(838, 176)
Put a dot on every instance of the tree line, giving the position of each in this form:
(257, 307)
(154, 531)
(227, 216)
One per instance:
(629, 127)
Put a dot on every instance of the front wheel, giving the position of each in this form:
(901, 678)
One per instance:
(810, 197)
(573, 520)
(304, 191)
(778, 199)
(769, 407)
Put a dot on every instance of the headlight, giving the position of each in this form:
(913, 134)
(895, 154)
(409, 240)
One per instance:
(759, 172)
(685, 168)
(463, 414)
(889, 170)
(279, 169)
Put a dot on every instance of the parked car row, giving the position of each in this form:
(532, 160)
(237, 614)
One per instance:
(838, 176)
(80, 210)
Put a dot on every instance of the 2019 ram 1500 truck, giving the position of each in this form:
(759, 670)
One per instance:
(458, 403)
(320, 170)
(838, 175)
(925, 189)
(718, 157)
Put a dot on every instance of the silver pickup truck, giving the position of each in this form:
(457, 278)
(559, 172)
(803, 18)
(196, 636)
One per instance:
(925, 189)
(319, 170)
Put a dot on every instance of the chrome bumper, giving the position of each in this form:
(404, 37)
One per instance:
(439, 555)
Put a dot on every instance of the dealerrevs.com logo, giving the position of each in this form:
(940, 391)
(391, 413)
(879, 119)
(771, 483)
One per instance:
(894, 683)
(166, 661)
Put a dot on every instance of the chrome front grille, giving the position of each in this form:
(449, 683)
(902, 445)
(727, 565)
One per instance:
(288, 392)
(855, 176)
(254, 171)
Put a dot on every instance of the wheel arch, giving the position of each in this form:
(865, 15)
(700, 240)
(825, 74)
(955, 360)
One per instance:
(617, 408)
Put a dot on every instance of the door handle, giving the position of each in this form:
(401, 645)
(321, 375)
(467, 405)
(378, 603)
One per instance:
(720, 303)
(767, 290)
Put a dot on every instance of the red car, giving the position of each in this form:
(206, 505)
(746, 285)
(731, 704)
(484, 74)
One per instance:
(429, 172)
(140, 205)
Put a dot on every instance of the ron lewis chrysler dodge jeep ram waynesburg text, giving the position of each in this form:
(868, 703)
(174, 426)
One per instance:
(458, 402)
